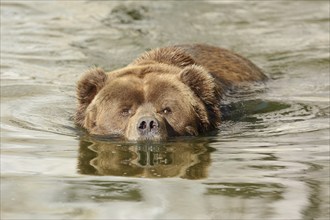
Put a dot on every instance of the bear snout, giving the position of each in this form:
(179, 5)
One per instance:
(148, 126)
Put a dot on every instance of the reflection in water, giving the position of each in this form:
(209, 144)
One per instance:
(187, 160)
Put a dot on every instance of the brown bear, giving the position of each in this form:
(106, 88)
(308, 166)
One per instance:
(166, 92)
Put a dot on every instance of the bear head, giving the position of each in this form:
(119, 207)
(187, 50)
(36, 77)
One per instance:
(152, 99)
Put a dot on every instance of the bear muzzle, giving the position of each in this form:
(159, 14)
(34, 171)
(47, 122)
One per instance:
(147, 126)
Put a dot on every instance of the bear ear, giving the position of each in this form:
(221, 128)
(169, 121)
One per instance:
(87, 88)
(200, 81)
(203, 85)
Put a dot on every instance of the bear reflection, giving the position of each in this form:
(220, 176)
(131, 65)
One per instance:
(180, 159)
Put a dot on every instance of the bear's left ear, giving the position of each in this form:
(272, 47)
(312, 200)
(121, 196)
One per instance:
(87, 88)
(200, 81)
(203, 85)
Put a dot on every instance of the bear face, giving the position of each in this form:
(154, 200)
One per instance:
(147, 102)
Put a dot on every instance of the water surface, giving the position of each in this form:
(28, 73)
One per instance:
(269, 160)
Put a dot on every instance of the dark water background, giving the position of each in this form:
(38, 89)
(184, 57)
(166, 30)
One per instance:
(270, 160)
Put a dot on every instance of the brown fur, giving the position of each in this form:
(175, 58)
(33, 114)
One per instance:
(179, 88)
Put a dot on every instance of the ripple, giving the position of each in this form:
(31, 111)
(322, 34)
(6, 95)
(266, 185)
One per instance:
(45, 108)
(271, 118)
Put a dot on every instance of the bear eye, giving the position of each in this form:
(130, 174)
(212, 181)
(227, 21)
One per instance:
(126, 111)
(167, 110)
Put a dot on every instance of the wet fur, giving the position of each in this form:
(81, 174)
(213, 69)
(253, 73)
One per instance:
(199, 73)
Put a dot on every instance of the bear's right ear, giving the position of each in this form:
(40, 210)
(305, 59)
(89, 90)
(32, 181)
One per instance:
(87, 88)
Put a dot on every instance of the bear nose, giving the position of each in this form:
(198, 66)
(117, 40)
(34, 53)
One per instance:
(147, 125)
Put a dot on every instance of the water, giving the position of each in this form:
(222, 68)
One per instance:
(270, 159)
